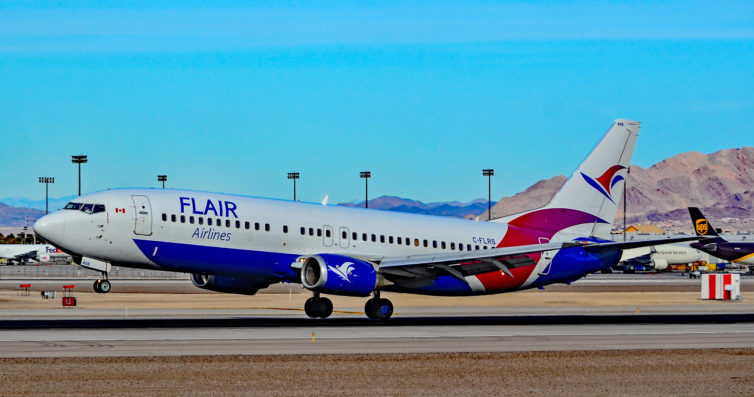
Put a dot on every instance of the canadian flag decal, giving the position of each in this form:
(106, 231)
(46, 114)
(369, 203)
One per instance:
(120, 210)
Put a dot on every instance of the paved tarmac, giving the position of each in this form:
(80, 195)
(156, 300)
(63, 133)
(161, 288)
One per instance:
(173, 332)
(415, 335)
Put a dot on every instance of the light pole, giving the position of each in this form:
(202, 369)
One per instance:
(625, 189)
(489, 172)
(80, 159)
(163, 179)
(294, 176)
(366, 175)
(47, 181)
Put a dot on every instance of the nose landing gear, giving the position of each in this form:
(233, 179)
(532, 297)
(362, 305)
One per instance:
(318, 307)
(102, 286)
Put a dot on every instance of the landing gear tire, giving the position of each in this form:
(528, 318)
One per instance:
(378, 309)
(96, 286)
(104, 286)
(318, 307)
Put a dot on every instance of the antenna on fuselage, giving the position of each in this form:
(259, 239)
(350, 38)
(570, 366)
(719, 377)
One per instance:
(324, 201)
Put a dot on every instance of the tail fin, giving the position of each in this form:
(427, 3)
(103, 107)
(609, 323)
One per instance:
(587, 203)
(702, 227)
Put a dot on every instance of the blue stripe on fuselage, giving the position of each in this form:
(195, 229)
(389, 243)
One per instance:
(192, 258)
(571, 264)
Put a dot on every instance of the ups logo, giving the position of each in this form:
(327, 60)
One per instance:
(702, 227)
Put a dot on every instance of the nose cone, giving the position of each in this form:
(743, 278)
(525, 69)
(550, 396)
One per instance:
(51, 227)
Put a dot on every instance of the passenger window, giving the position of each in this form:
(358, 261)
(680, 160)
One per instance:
(303, 230)
(354, 236)
(426, 244)
(453, 246)
(390, 239)
(344, 235)
(460, 247)
(183, 218)
(238, 224)
(172, 217)
(191, 220)
(285, 228)
(442, 245)
(247, 225)
(266, 227)
(99, 208)
(327, 233)
(416, 242)
(382, 238)
(227, 223)
(434, 243)
(484, 247)
(468, 247)
(364, 236)
(476, 247)
(256, 225)
(319, 232)
(408, 241)
(201, 220)
(311, 231)
(399, 240)
(374, 238)
(219, 222)
(209, 221)
(164, 217)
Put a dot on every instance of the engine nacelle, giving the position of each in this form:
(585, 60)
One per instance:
(228, 284)
(338, 275)
(660, 263)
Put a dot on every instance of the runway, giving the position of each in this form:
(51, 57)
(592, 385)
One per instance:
(263, 336)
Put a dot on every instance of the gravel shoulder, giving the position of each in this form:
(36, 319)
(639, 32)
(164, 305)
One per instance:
(594, 373)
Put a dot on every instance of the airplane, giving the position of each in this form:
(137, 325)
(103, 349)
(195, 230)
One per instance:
(23, 253)
(239, 244)
(659, 257)
(735, 251)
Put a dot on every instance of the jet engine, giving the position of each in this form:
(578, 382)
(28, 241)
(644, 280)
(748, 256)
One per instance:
(338, 275)
(659, 264)
(229, 284)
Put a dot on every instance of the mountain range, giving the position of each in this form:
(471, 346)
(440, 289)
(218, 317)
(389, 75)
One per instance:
(721, 183)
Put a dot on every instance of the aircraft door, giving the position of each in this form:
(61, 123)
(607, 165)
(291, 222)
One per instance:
(327, 238)
(143, 215)
(344, 238)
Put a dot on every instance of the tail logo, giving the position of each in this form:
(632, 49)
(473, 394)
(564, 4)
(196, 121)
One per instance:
(604, 184)
(702, 227)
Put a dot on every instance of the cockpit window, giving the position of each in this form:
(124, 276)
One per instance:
(87, 208)
(72, 206)
(99, 208)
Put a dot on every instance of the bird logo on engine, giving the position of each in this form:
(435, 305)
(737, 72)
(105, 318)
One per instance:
(344, 271)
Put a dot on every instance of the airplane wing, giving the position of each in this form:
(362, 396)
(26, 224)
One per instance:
(420, 269)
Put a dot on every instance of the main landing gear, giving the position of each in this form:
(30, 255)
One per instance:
(102, 286)
(378, 308)
(318, 307)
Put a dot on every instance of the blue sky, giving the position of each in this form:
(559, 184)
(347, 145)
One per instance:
(231, 96)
